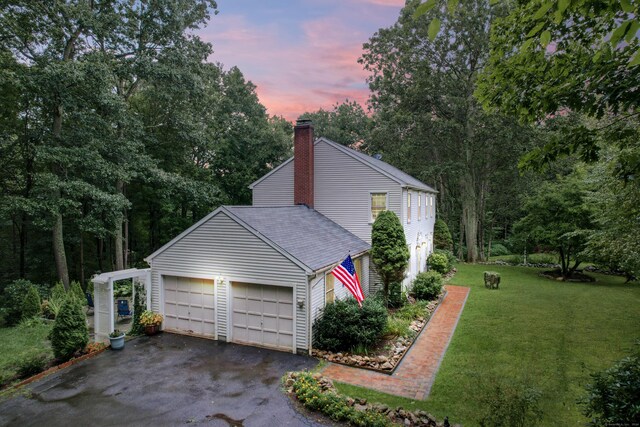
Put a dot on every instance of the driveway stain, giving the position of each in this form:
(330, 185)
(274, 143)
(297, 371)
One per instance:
(228, 419)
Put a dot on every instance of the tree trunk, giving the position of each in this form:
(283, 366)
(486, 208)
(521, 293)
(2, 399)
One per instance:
(470, 219)
(117, 244)
(99, 247)
(59, 253)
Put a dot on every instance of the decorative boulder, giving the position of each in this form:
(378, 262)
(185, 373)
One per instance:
(491, 280)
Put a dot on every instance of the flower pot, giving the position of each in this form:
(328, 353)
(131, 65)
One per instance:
(151, 329)
(117, 343)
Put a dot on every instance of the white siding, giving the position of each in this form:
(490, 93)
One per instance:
(416, 232)
(222, 308)
(343, 186)
(222, 249)
(276, 189)
(317, 296)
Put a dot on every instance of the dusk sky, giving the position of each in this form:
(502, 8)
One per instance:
(301, 54)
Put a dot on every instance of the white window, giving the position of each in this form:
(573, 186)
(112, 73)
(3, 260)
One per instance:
(378, 204)
(432, 209)
(420, 206)
(408, 207)
(418, 259)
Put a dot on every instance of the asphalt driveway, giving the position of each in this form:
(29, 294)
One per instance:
(165, 380)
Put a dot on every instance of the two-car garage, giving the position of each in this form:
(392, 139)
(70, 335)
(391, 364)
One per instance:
(261, 315)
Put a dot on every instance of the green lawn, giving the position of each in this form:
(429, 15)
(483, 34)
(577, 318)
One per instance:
(19, 343)
(547, 334)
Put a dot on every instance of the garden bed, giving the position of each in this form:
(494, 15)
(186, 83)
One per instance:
(576, 276)
(391, 349)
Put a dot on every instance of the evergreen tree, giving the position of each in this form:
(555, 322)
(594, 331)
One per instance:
(389, 251)
(31, 304)
(69, 334)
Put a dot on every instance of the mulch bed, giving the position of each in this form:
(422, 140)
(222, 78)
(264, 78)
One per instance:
(576, 276)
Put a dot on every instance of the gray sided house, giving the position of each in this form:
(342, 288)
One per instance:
(260, 275)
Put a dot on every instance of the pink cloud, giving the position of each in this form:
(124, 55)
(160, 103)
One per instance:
(295, 74)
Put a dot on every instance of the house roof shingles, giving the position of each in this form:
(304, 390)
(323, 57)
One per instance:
(303, 233)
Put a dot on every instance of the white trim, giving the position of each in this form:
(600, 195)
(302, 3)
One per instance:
(215, 305)
(294, 347)
(112, 325)
(229, 310)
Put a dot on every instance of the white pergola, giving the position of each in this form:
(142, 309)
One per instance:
(104, 313)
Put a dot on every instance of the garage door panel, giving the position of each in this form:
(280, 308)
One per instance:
(268, 315)
(189, 305)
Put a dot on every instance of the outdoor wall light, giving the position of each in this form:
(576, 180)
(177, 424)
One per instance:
(300, 303)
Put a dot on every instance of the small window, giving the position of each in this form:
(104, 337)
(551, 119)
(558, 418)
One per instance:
(408, 207)
(329, 294)
(432, 208)
(378, 204)
(418, 259)
(357, 263)
(426, 206)
(420, 206)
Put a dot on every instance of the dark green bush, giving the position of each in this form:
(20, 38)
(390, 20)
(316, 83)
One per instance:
(438, 262)
(427, 286)
(310, 394)
(69, 334)
(343, 325)
(139, 305)
(396, 296)
(442, 236)
(614, 394)
(542, 258)
(31, 303)
(514, 260)
(13, 297)
(122, 289)
(498, 249)
(32, 365)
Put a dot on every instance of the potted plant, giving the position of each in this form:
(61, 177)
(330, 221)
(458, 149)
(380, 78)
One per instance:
(117, 339)
(151, 322)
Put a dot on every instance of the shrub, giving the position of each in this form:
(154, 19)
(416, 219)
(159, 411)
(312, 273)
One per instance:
(139, 306)
(513, 260)
(76, 291)
(498, 249)
(442, 236)
(310, 393)
(427, 286)
(510, 405)
(614, 394)
(451, 258)
(542, 258)
(69, 334)
(13, 297)
(438, 262)
(397, 298)
(122, 289)
(32, 365)
(56, 299)
(398, 327)
(31, 304)
(343, 325)
(389, 251)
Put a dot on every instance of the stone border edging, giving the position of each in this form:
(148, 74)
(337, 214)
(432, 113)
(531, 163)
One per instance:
(406, 350)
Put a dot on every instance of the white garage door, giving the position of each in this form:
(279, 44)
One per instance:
(189, 306)
(263, 315)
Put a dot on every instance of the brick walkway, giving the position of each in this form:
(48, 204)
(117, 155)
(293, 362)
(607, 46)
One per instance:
(414, 377)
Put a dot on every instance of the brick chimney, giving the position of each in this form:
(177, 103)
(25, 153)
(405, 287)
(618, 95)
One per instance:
(303, 163)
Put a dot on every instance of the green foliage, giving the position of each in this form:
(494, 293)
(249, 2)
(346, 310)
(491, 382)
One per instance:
(20, 343)
(389, 251)
(558, 218)
(442, 236)
(614, 394)
(438, 262)
(139, 306)
(498, 249)
(542, 258)
(510, 405)
(56, 299)
(343, 325)
(451, 259)
(32, 365)
(346, 123)
(397, 298)
(58, 292)
(122, 289)
(69, 334)
(313, 397)
(13, 298)
(31, 303)
(75, 290)
(399, 321)
(427, 285)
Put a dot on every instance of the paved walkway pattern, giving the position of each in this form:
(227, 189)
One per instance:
(417, 371)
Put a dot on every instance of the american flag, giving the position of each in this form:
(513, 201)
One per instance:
(346, 273)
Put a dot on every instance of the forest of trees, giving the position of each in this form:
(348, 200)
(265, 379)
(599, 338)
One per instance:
(116, 133)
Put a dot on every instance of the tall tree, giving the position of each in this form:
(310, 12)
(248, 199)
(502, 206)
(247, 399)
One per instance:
(427, 119)
(345, 123)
